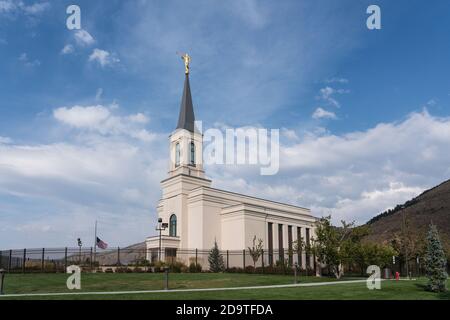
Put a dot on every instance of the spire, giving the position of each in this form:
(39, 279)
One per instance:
(186, 119)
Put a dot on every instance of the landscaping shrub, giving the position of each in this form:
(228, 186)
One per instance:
(249, 269)
(194, 268)
(119, 270)
(177, 267)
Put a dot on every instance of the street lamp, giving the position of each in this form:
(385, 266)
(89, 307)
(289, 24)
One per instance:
(79, 246)
(160, 227)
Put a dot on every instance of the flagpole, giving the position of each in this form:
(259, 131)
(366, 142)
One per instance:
(95, 242)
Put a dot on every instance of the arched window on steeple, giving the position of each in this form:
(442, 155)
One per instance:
(192, 154)
(173, 226)
(177, 154)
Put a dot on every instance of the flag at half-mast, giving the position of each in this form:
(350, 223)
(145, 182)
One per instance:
(101, 244)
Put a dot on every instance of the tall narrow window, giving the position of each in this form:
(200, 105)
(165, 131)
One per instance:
(290, 245)
(308, 243)
(177, 155)
(280, 243)
(173, 226)
(192, 154)
(299, 247)
(270, 236)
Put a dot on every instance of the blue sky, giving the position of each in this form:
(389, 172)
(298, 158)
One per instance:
(85, 115)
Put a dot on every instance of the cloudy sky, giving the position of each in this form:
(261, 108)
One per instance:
(364, 115)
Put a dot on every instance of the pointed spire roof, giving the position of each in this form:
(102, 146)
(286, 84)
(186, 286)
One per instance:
(186, 119)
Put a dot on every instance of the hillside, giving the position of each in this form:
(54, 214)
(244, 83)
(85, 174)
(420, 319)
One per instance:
(127, 255)
(432, 205)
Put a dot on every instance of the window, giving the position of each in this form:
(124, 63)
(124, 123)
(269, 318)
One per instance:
(280, 243)
(177, 155)
(171, 255)
(192, 154)
(290, 244)
(270, 235)
(173, 226)
(308, 244)
(300, 240)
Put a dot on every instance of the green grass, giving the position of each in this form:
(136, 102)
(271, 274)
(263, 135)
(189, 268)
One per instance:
(52, 283)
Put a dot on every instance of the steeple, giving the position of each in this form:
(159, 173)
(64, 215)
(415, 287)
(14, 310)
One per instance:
(186, 142)
(186, 118)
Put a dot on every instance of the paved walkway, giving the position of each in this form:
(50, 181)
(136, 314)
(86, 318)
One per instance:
(310, 284)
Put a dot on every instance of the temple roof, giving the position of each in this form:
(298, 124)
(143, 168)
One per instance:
(186, 119)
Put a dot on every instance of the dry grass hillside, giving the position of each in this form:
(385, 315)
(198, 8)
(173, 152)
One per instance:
(431, 206)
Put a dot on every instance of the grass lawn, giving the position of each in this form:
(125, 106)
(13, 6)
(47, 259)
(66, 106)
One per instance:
(52, 283)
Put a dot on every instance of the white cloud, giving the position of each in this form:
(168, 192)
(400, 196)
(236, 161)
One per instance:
(327, 93)
(337, 80)
(35, 8)
(27, 62)
(68, 48)
(98, 94)
(103, 171)
(64, 187)
(5, 140)
(101, 119)
(320, 113)
(84, 38)
(103, 57)
(7, 6)
(251, 12)
(356, 175)
(139, 118)
(10, 6)
(82, 117)
(109, 177)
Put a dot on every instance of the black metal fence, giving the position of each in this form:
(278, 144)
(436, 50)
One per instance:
(184, 260)
(143, 260)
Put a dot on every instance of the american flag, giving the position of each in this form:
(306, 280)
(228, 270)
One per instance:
(101, 244)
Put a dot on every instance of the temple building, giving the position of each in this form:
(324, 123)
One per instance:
(194, 215)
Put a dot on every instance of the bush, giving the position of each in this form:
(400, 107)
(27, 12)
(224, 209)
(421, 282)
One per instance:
(194, 268)
(141, 262)
(178, 267)
(159, 266)
(235, 270)
(249, 269)
(118, 270)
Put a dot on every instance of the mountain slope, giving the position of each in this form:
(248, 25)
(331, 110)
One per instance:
(432, 205)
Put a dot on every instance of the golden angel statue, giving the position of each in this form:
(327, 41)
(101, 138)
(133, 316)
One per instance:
(187, 59)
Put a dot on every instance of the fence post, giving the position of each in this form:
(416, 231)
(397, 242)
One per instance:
(42, 259)
(1, 259)
(243, 258)
(24, 259)
(196, 257)
(118, 256)
(65, 260)
(9, 261)
(90, 259)
(228, 260)
(2, 279)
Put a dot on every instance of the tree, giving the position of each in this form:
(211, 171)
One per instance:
(435, 262)
(328, 243)
(256, 251)
(215, 259)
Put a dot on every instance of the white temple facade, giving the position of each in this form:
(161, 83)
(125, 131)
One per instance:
(195, 214)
